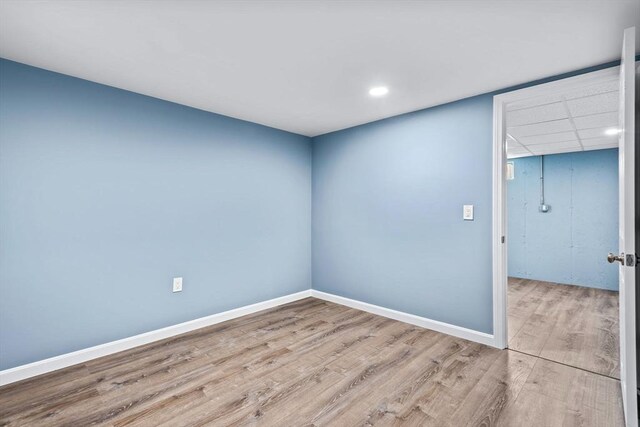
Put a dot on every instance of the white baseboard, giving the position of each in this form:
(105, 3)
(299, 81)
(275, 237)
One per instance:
(54, 363)
(423, 322)
(40, 367)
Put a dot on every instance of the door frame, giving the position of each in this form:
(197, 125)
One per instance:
(499, 215)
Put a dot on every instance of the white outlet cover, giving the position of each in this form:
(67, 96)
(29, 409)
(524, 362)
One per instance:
(177, 284)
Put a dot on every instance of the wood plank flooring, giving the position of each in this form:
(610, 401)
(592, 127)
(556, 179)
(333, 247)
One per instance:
(573, 325)
(312, 362)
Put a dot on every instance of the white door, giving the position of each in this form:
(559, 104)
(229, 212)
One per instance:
(627, 230)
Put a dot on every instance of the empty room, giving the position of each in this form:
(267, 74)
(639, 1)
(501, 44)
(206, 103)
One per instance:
(319, 213)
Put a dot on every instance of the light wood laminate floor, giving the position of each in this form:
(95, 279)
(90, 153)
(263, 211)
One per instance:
(314, 363)
(574, 325)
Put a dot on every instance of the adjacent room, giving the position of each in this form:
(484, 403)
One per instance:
(319, 213)
(562, 204)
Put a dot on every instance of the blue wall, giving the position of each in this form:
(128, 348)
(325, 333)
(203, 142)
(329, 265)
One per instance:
(387, 216)
(106, 195)
(569, 243)
(387, 211)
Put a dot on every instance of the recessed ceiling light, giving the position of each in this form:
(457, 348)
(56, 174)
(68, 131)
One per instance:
(612, 131)
(379, 91)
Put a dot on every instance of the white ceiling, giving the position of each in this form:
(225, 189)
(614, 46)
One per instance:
(306, 66)
(567, 121)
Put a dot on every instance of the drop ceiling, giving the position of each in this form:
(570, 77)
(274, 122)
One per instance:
(307, 66)
(566, 121)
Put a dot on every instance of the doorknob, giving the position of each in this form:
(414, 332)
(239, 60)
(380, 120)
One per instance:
(611, 258)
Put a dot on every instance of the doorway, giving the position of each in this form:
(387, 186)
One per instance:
(558, 299)
(625, 256)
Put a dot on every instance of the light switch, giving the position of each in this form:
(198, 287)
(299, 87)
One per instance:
(177, 284)
(467, 212)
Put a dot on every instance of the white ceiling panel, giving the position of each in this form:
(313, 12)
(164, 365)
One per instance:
(601, 147)
(511, 144)
(604, 120)
(551, 152)
(543, 113)
(518, 155)
(592, 133)
(589, 112)
(563, 125)
(543, 151)
(594, 89)
(548, 138)
(597, 88)
(518, 150)
(555, 145)
(597, 104)
(512, 154)
(534, 102)
(605, 140)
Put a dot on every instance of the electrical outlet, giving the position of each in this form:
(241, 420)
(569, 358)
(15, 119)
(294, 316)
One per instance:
(177, 284)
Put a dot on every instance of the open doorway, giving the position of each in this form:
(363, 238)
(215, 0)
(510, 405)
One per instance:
(573, 95)
(561, 211)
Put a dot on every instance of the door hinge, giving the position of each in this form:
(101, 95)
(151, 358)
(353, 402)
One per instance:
(631, 260)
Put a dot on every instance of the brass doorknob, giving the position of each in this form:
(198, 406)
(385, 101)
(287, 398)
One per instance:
(612, 257)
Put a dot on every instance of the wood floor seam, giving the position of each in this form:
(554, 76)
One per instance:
(572, 325)
(564, 364)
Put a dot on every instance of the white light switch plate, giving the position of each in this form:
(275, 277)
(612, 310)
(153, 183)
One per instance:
(467, 212)
(177, 284)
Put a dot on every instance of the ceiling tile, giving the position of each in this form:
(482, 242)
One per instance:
(548, 138)
(517, 149)
(593, 133)
(596, 104)
(604, 140)
(555, 147)
(541, 152)
(611, 85)
(534, 102)
(554, 126)
(517, 155)
(543, 113)
(512, 144)
(601, 147)
(597, 120)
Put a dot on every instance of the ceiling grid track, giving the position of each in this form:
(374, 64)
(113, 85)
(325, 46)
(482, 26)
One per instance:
(578, 118)
(573, 124)
(514, 139)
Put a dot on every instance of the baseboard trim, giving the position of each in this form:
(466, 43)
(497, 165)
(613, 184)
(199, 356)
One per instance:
(40, 367)
(423, 322)
(23, 372)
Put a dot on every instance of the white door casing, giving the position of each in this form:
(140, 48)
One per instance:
(500, 103)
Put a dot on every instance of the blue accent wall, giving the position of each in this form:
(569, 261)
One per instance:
(387, 216)
(569, 243)
(106, 195)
